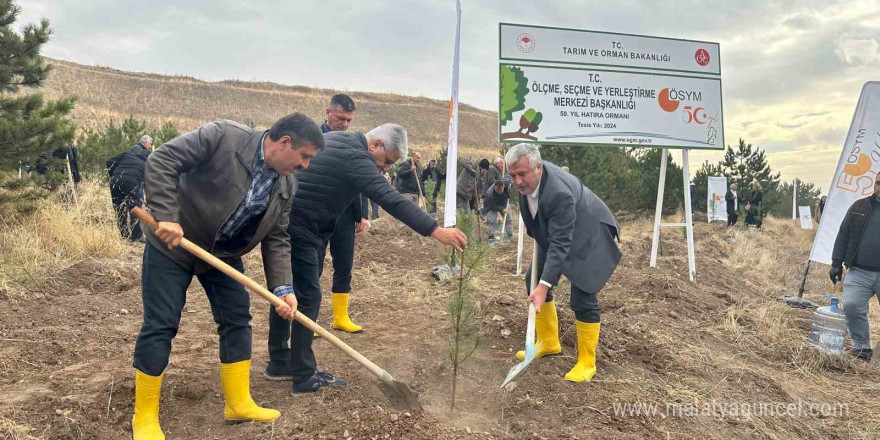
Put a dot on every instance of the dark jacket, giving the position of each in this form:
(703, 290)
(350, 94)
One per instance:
(130, 165)
(408, 175)
(489, 179)
(495, 201)
(335, 177)
(731, 202)
(200, 178)
(849, 236)
(357, 210)
(575, 229)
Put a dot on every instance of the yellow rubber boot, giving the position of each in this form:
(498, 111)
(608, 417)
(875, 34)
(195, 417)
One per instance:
(546, 332)
(240, 407)
(145, 423)
(588, 338)
(341, 321)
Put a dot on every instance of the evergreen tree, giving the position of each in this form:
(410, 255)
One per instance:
(29, 125)
(748, 164)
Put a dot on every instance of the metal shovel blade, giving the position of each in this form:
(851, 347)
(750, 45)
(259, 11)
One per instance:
(518, 369)
(531, 349)
(401, 396)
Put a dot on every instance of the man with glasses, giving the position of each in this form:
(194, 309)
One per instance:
(858, 247)
(351, 164)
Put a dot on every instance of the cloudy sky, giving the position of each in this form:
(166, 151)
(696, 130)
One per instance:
(792, 69)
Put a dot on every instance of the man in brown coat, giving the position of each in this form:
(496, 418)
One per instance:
(230, 188)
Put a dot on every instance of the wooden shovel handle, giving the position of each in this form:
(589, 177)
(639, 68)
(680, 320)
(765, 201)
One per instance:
(257, 288)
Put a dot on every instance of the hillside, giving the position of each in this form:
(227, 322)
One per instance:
(70, 310)
(104, 93)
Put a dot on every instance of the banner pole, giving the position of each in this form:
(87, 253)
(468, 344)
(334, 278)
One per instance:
(664, 153)
(688, 213)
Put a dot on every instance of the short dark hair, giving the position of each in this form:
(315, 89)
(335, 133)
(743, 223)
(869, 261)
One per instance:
(342, 100)
(499, 182)
(484, 164)
(301, 130)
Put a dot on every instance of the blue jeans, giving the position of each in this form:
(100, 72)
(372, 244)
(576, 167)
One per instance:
(859, 287)
(163, 288)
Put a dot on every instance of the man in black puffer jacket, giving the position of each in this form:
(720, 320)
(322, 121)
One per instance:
(350, 165)
(127, 186)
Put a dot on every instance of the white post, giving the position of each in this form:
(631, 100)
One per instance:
(519, 244)
(794, 201)
(664, 153)
(688, 213)
(19, 170)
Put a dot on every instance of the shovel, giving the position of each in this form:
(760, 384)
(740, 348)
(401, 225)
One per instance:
(399, 394)
(518, 369)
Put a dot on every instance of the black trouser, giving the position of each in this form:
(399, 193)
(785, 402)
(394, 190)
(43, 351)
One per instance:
(126, 195)
(584, 304)
(731, 218)
(342, 251)
(307, 261)
(163, 285)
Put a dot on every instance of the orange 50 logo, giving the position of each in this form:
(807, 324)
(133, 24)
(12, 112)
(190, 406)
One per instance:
(670, 99)
(857, 176)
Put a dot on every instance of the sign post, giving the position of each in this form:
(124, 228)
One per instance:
(588, 88)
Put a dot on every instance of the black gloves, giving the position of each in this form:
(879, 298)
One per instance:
(836, 274)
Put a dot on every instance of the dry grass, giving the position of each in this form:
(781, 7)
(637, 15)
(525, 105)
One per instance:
(11, 430)
(104, 94)
(59, 235)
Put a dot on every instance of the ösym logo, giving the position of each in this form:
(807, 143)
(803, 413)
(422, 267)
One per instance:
(525, 43)
(702, 57)
(667, 104)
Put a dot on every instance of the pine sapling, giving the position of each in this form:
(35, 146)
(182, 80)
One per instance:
(465, 336)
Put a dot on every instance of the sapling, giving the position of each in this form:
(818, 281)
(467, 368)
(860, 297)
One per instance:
(465, 336)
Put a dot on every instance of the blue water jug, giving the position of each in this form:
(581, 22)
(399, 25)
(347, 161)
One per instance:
(829, 329)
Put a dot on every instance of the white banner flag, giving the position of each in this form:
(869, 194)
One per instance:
(716, 206)
(854, 178)
(452, 138)
(806, 217)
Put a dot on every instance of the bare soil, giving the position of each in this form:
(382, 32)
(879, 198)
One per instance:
(66, 344)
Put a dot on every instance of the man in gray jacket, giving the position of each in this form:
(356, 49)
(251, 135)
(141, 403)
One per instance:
(230, 188)
(575, 233)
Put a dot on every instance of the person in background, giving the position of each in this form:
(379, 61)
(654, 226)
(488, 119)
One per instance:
(127, 171)
(820, 208)
(732, 204)
(754, 214)
(495, 204)
(857, 247)
(493, 174)
(466, 187)
(438, 176)
(409, 174)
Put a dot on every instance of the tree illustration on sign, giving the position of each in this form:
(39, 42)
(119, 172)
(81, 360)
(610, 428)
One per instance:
(528, 123)
(514, 88)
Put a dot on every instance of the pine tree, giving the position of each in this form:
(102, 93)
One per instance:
(748, 164)
(29, 125)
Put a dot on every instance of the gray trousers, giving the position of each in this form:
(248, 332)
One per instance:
(859, 287)
(494, 220)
